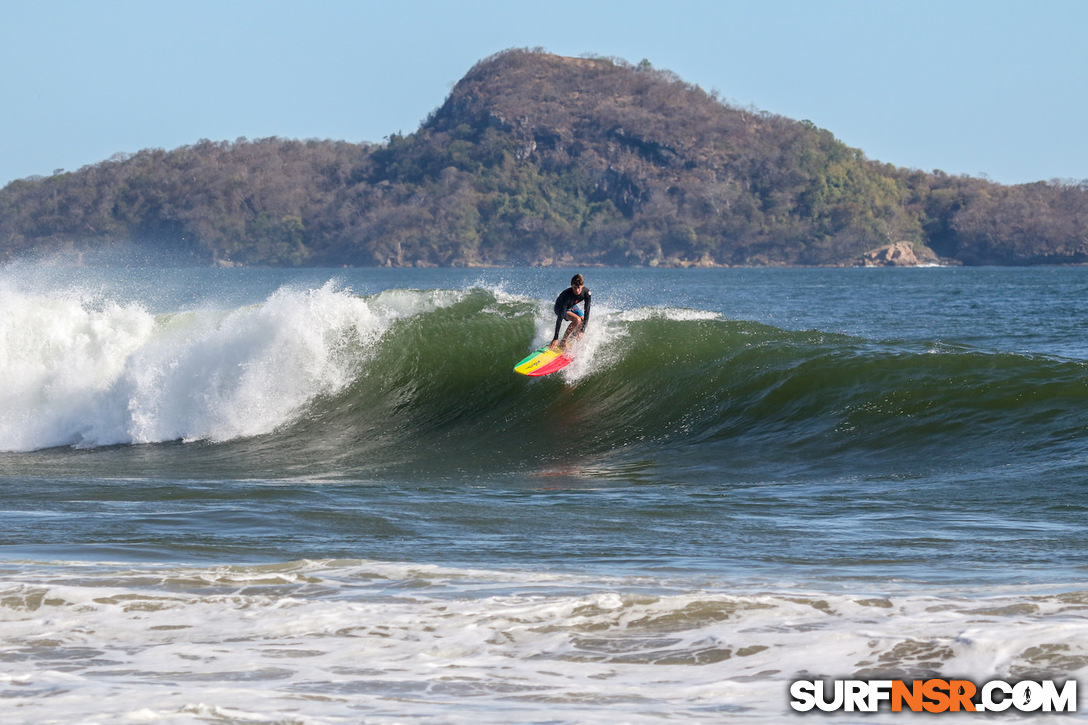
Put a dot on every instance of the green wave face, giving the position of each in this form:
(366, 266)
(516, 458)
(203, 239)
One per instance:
(673, 388)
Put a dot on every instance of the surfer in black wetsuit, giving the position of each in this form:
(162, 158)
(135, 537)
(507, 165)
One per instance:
(566, 308)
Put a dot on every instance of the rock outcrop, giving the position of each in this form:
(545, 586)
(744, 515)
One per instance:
(900, 254)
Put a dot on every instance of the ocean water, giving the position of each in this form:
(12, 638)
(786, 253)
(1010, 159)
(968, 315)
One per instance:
(322, 496)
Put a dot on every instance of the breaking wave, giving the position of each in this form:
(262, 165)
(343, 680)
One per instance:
(322, 378)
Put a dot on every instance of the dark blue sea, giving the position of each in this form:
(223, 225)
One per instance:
(323, 496)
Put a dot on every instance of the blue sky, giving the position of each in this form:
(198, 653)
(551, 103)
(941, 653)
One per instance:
(976, 87)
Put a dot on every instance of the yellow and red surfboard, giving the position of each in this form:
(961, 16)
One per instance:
(543, 362)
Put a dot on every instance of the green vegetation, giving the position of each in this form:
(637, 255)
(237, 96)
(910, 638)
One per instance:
(540, 159)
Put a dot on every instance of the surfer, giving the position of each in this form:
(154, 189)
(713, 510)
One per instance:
(566, 308)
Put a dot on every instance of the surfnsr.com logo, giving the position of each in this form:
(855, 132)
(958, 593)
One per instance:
(933, 696)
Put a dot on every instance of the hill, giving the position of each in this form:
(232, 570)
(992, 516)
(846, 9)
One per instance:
(541, 159)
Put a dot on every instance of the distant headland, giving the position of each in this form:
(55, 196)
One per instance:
(538, 159)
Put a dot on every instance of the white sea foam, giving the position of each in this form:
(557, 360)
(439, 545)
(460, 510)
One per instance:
(597, 349)
(603, 344)
(667, 313)
(324, 642)
(82, 371)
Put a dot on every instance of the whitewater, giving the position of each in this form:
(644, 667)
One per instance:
(323, 496)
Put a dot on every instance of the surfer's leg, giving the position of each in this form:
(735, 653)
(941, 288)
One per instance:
(575, 325)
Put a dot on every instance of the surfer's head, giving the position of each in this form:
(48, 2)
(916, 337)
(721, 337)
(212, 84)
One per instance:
(577, 281)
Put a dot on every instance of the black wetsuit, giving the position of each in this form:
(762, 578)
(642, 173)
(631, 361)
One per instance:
(566, 302)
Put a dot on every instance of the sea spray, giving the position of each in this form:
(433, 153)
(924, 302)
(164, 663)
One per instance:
(88, 373)
(59, 357)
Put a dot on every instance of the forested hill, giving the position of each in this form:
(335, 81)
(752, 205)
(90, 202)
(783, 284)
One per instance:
(540, 159)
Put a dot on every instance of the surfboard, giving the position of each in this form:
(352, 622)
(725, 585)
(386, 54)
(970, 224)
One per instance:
(544, 361)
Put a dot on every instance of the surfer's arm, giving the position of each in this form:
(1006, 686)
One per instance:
(562, 304)
(558, 326)
(585, 319)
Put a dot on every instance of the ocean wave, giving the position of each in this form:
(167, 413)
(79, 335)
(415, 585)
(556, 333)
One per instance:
(422, 380)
